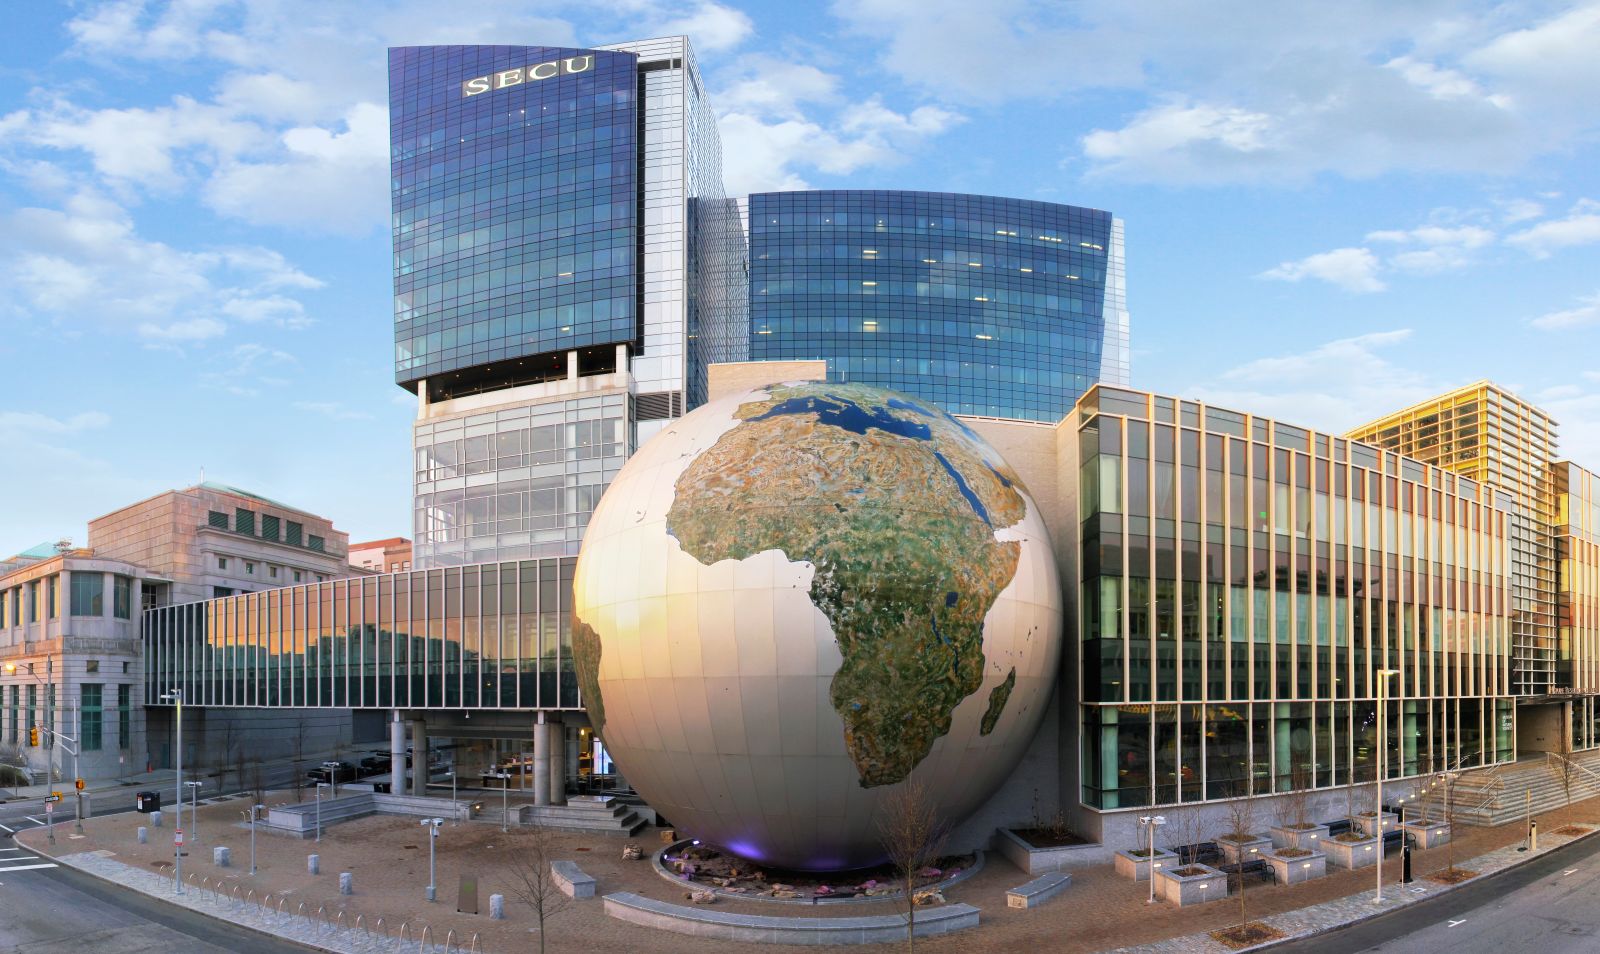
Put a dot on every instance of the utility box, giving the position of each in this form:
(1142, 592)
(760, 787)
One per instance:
(147, 802)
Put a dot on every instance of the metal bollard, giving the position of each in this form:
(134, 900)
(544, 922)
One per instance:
(219, 856)
(144, 835)
(347, 883)
(314, 864)
(497, 907)
(155, 819)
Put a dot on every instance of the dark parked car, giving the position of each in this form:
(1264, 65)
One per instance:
(344, 773)
(376, 764)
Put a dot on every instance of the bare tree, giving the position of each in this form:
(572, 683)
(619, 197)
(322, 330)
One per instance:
(258, 785)
(1188, 828)
(913, 837)
(1566, 772)
(1242, 813)
(531, 850)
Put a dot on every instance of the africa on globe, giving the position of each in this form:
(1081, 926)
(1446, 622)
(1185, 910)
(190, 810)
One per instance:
(795, 598)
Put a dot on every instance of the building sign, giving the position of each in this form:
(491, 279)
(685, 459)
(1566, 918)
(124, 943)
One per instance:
(527, 74)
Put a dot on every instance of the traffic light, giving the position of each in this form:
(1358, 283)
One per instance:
(33, 736)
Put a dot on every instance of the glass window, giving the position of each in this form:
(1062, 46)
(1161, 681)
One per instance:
(122, 597)
(88, 594)
(91, 716)
(124, 716)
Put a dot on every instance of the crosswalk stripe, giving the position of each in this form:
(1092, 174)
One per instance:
(25, 868)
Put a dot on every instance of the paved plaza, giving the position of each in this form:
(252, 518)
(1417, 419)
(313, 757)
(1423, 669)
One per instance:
(388, 857)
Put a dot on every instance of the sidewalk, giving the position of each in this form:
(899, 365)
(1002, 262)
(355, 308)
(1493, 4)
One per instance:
(161, 780)
(1320, 918)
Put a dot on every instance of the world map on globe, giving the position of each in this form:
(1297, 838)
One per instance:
(897, 506)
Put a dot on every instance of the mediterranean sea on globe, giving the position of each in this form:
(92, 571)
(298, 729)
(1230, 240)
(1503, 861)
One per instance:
(794, 598)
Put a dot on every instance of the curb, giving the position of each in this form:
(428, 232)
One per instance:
(215, 916)
(1401, 905)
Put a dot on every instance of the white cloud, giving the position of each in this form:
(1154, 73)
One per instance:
(145, 147)
(1513, 211)
(1580, 227)
(324, 178)
(333, 410)
(273, 309)
(1466, 236)
(1333, 386)
(770, 86)
(183, 332)
(709, 26)
(86, 265)
(14, 424)
(248, 368)
(1583, 315)
(1353, 269)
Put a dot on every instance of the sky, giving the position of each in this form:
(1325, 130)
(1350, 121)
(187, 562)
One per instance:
(1332, 209)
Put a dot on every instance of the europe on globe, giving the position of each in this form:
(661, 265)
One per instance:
(795, 598)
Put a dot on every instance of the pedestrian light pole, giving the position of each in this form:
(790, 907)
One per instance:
(332, 768)
(432, 824)
(505, 798)
(176, 696)
(320, 787)
(254, 814)
(455, 814)
(1383, 751)
(194, 809)
(1152, 822)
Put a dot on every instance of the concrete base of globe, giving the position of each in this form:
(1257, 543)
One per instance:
(762, 929)
(658, 862)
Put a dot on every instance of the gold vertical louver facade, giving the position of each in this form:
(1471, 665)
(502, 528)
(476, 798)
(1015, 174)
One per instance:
(1485, 432)
(1577, 532)
(1242, 583)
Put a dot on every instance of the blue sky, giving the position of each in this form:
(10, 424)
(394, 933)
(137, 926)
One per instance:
(1333, 209)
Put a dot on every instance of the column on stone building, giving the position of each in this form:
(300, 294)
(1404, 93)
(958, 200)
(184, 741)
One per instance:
(541, 760)
(419, 756)
(558, 759)
(108, 596)
(397, 753)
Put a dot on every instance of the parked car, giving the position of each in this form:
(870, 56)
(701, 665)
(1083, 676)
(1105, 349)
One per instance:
(345, 772)
(376, 764)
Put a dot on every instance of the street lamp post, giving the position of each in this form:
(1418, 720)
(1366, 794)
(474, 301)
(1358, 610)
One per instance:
(1152, 822)
(253, 814)
(1383, 751)
(432, 824)
(455, 813)
(332, 768)
(320, 787)
(176, 696)
(194, 809)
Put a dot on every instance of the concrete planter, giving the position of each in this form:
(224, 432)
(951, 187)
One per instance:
(1312, 838)
(1036, 861)
(1249, 850)
(1351, 854)
(1369, 823)
(1428, 834)
(1205, 883)
(1297, 869)
(1137, 867)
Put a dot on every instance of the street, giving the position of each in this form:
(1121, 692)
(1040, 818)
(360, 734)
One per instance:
(1547, 905)
(45, 908)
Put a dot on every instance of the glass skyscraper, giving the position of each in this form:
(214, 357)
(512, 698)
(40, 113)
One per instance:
(565, 265)
(987, 306)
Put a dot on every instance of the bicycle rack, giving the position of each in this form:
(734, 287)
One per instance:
(473, 949)
(449, 941)
(422, 945)
(403, 936)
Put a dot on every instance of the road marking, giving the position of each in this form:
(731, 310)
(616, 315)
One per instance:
(1565, 873)
(10, 830)
(25, 868)
(1454, 923)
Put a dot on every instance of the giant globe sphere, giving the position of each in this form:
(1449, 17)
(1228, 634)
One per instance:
(794, 599)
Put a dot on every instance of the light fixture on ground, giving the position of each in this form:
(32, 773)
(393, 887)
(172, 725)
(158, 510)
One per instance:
(194, 810)
(332, 768)
(253, 815)
(432, 824)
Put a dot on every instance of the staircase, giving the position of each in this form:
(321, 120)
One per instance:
(1506, 793)
(584, 813)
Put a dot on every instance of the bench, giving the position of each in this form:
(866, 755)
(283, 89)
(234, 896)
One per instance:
(1237, 873)
(571, 879)
(1204, 853)
(766, 929)
(1039, 890)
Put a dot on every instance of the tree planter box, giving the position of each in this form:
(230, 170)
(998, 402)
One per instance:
(1250, 850)
(1369, 823)
(1297, 869)
(1312, 838)
(1351, 854)
(1205, 884)
(1035, 861)
(1428, 834)
(1138, 867)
